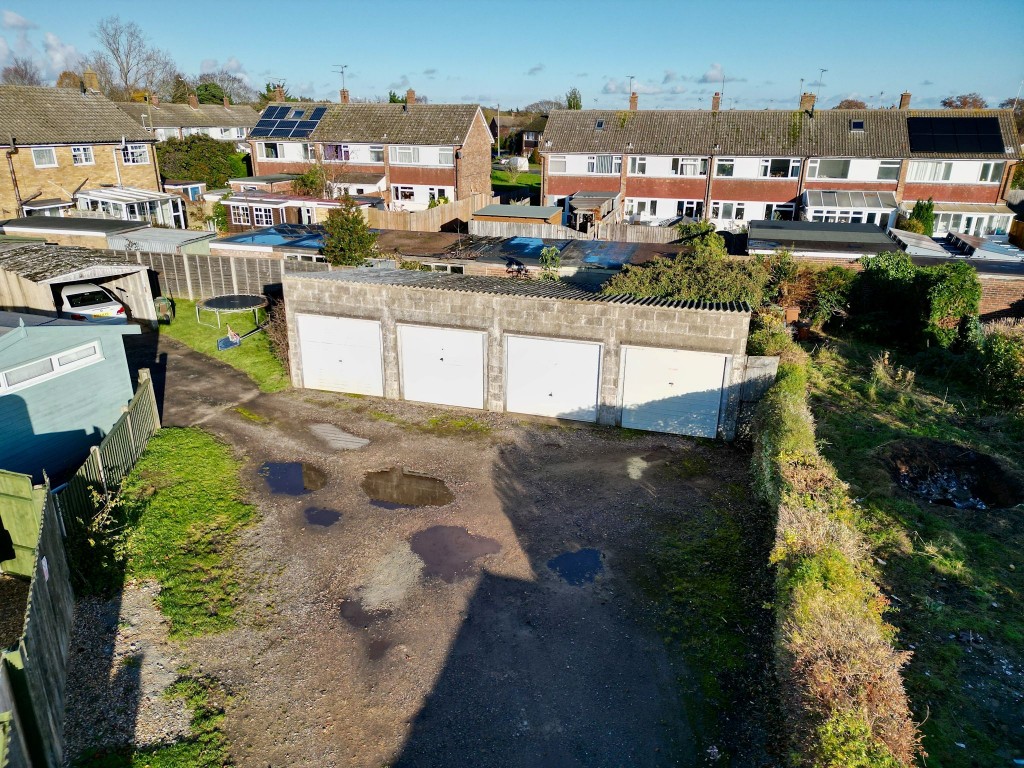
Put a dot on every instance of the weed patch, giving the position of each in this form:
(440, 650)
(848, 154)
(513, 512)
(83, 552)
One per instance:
(245, 413)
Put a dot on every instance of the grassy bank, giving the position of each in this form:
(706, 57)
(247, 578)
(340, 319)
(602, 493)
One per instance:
(956, 575)
(838, 672)
(184, 507)
(254, 358)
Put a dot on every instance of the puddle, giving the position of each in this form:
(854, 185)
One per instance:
(397, 488)
(377, 649)
(292, 478)
(321, 516)
(355, 614)
(580, 567)
(448, 551)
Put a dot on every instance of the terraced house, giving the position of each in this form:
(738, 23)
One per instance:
(821, 165)
(411, 154)
(224, 122)
(62, 144)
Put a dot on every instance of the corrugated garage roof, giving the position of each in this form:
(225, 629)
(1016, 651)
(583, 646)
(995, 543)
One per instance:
(541, 289)
(44, 261)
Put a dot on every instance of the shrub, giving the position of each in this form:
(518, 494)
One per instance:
(910, 225)
(348, 241)
(535, 157)
(1002, 361)
(220, 215)
(952, 294)
(830, 295)
(313, 182)
(924, 212)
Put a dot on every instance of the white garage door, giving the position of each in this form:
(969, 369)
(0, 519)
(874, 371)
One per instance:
(341, 354)
(552, 377)
(442, 365)
(672, 390)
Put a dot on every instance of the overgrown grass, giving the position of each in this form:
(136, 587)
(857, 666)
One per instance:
(954, 573)
(204, 747)
(445, 424)
(254, 357)
(184, 508)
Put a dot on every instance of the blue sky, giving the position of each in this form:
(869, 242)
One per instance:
(518, 52)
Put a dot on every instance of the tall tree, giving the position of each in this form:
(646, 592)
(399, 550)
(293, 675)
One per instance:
(135, 65)
(209, 93)
(573, 99)
(850, 104)
(21, 71)
(965, 101)
(347, 238)
(544, 105)
(69, 79)
(200, 158)
(235, 88)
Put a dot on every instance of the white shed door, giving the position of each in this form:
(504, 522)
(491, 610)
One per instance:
(442, 365)
(341, 354)
(672, 390)
(552, 377)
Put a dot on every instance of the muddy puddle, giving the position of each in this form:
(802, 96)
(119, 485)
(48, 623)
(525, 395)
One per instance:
(292, 478)
(321, 516)
(579, 567)
(353, 612)
(399, 488)
(449, 552)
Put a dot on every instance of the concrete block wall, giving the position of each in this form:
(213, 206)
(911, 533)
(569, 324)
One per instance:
(611, 324)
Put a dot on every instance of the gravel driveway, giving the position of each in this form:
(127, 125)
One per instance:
(379, 634)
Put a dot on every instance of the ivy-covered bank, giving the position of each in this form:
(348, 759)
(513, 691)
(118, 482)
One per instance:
(840, 676)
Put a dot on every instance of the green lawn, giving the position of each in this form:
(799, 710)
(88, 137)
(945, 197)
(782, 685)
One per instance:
(527, 184)
(954, 574)
(254, 358)
(185, 507)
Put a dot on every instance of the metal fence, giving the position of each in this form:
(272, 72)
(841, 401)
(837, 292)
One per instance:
(112, 459)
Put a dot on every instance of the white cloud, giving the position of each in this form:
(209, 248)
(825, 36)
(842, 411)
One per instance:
(402, 82)
(644, 88)
(207, 65)
(716, 75)
(12, 20)
(59, 56)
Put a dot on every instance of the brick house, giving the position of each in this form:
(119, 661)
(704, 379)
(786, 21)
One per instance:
(59, 140)
(224, 122)
(822, 165)
(525, 128)
(411, 154)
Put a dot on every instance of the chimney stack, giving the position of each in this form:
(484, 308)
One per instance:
(807, 102)
(193, 101)
(344, 95)
(279, 93)
(154, 100)
(227, 103)
(716, 102)
(91, 81)
(634, 101)
(905, 100)
(410, 97)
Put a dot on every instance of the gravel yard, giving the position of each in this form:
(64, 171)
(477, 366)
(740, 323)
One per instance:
(387, 631)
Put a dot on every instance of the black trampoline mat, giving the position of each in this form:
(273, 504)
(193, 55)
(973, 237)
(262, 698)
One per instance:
(235, 302)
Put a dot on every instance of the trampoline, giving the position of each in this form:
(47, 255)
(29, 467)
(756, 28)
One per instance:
(234, 302)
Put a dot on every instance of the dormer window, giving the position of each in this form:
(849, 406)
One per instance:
(857, 126)
(599, 125)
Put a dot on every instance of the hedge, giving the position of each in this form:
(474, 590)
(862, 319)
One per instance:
(839, 674)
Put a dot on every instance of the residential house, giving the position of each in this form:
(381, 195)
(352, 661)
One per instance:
(224, 122)
(59, 141)
(734, 166)
(62, 387)
(524, 128)
(412, 154)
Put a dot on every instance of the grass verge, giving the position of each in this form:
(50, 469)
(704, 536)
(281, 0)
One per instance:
(254, 358)
(444, 425)
(184, 507)
(204, 747)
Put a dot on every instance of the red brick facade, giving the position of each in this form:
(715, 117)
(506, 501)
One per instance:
(952, 193)
(679, 189)
(766, 190)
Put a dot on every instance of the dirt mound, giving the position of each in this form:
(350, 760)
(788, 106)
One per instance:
(952, 475)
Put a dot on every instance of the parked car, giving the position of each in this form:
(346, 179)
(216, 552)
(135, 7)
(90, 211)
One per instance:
(91, 303)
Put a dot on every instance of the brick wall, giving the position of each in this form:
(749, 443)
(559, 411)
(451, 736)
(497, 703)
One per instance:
(474, 167)
(952, 193)
(66, 177)
(678, 189)
(563, 186)
(611, 324)
(1001, 297)
(767, 190)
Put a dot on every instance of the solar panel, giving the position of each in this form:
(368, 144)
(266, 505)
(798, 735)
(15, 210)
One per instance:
(289, 124)
(274, 124)
(264, 123)
(275, 113)
(318, 113)
(307, 125)
(980, 135)
(300, 133)
(259, 132)
(281, 133)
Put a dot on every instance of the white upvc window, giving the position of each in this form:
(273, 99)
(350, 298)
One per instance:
(779, 211)
(693, 209)
(638, 166)
(82, 156)
(376, 154)
(780, 168)
(405, 155)
(642, 207)
(240, 215)
(446, 156)
(135, 154)
(929, 170)
(828, 168)
(44, 157)
(436, 193)
(263, 216)
(728, 210)
(888, 170)
(308, 151)
(403, 193)
(690, 166)
(725, 167)
(604, 164)
(992, 172)
(38, 371)
(337, 153)
(556, 164)
(270, 150)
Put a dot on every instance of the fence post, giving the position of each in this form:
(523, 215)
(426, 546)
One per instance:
(188, 277)
(94, 453)
(144, 376)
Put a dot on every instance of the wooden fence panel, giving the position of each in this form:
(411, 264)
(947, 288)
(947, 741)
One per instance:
(626, 233)
(432, 219)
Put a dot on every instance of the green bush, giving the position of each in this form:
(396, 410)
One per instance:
(952, 294)
(924, 212)
(1002, 361)
(830, 294)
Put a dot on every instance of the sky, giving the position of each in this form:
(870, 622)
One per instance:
(512, 53)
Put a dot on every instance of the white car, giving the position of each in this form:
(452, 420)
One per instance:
(91, 303)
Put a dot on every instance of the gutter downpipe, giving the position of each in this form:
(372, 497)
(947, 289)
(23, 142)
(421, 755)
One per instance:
(14, 179)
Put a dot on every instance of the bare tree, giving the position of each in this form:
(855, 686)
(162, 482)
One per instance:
(21, 71)
(850, 104)
(235, 88)
(134, 64)
(544, 105)
(965, 101)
